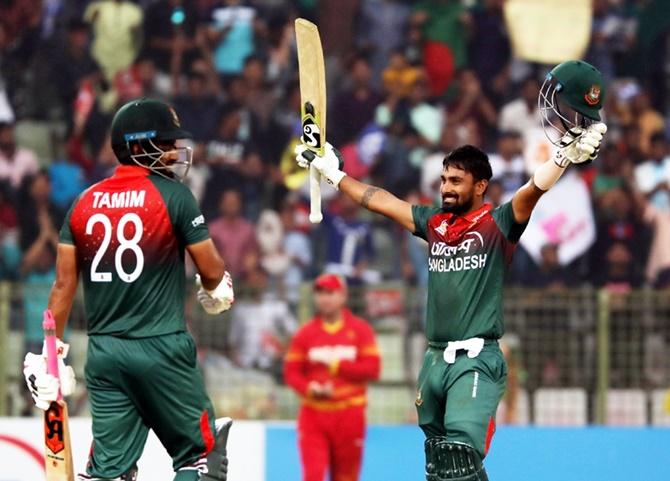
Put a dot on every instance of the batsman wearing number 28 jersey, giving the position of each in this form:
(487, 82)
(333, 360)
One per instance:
(126, 238)
(470, 247)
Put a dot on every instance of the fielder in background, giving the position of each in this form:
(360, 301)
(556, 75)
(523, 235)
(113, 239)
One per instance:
(470, 248)
(126, 237)
(329, 363)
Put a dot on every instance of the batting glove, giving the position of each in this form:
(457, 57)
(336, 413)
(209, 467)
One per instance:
(580, 145)
(218, 300)
(329, 165)
(43, 386)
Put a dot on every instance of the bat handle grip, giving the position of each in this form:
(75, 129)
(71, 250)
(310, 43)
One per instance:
(315, 215)
(49, 326)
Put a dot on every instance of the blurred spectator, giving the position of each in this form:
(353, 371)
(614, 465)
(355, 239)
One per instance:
(354, 106)
(414, 251)
(234, 237)
(507, 164)
(395, 168)
(472, 105)
(337, 21)
(521, 114)
(657, 270)
(198, 107)
(259, 98)
(37, 214)
(382, 28)
(549, 274)
(117, 33)
(261, 327)
(495, 193)
(67, 181)
(416, 112)
(38, 274)
(231, 33)
(297, 246)
(653, 176)
(279, 50)
(489, 50)
(647, 119)
(399, 76)
(610, 169)
(10, 252)
(619, 273)
(349, 240)
(269, 238)
(445, 22)
(15, 162)
(71, 64)
(618, 222)
(629, 145)
(658, 266)
(139, 80)
(225, 154)
(612, 34)
(170, 35)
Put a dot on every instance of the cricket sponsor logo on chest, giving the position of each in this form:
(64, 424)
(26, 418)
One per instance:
(331, 354)
(467, 255)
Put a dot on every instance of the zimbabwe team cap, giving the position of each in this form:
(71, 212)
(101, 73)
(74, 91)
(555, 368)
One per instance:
(581, 86)
(329, 282)
(146, 119)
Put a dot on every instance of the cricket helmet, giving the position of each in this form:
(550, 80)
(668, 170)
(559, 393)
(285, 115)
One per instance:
(573, 93)
(150, 123)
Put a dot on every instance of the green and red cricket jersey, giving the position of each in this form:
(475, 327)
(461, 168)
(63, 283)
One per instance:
(468, 259)
(130, 232)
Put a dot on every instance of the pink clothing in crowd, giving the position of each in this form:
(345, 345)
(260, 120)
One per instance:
(235, 239)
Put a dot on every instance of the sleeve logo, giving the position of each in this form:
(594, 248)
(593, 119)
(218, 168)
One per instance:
(198, 221)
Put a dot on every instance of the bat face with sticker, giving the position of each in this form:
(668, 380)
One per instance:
(313, 100)
(311, 131)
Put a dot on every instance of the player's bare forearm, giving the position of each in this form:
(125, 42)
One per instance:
(208, 262)
(380, 201)
(65, 287)
(524, 201)
(527, 196)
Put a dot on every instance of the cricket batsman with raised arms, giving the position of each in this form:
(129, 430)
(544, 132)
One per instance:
(126, 237)
(470, 248)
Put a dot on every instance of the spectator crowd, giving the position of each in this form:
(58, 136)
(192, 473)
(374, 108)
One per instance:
(407, 82)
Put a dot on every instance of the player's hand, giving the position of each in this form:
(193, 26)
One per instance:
(580, 145)
(319, 390)
(44, 387)
(218, 300)
(329, 165)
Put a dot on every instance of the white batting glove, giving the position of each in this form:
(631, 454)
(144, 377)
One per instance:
(44, 387)
(218, 300)
(329, 165)
(580, 145)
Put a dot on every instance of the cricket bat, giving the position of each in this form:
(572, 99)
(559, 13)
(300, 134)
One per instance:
(313, 100)
(57, 448)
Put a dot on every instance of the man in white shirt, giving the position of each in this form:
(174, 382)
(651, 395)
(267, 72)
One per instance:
(15, 162)
(653, 176)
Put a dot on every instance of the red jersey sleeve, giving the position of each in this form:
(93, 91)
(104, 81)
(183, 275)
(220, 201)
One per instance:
(295, 363)
(367, 365)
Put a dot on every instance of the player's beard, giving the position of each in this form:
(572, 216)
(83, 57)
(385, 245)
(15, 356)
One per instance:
(460, 207)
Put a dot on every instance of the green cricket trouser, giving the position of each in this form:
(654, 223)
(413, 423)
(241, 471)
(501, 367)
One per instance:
(459, 401)
(139, 384)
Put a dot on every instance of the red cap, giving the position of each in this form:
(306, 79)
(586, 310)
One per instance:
(329, 282)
